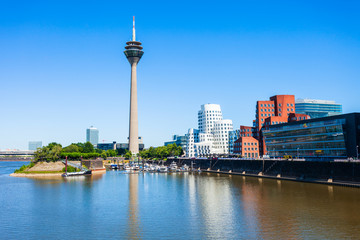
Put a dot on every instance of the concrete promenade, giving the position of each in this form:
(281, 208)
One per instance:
(331, 173)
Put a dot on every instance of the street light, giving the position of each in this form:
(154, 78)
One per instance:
(357, 152)
(298, 153)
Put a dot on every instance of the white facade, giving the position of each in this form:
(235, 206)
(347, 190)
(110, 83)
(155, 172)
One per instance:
(192, 137)
(213, 134)
(221, 136)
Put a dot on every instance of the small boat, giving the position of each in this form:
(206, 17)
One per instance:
(136, 167)
(72, 174)
(162, 169)
(185, 168)
(173, 167)
(127, 168)
(152, 168)
(114, 166)
(84, 171)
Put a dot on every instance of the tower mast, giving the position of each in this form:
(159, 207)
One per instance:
(133, 52)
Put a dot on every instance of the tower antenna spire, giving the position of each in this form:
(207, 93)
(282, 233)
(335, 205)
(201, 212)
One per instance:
(133, 28)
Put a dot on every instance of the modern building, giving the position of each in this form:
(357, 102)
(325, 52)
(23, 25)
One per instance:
(318, 138)
(34, 145)
(115, 146)
(133, 53)
(212, 135)
(192, 137)
(178, 140)
(106, 146)
(317, 108)
(92, 135)
(277, 110)
(233, 136)
(247, 147)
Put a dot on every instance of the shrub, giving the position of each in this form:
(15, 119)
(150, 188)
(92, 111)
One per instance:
(24, 167)
(71, 169)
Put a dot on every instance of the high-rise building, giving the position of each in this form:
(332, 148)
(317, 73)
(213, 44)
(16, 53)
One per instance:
(212, 137)
(317, 108)
(133, 54)
(92, 135)
(34, 145)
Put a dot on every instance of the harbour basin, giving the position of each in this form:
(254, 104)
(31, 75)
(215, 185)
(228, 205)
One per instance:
(116, 205)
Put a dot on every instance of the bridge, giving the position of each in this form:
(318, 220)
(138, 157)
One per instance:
(17, 152)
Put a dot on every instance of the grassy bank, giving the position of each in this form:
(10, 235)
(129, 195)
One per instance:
(38, 168)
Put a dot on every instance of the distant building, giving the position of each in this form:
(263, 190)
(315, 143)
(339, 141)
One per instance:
(92, 135)
(178, 140)
(325, 138)
(115, 146)
(34, 145)
(317, 108)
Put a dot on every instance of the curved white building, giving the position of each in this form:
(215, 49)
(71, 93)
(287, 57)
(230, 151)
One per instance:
(213, 134)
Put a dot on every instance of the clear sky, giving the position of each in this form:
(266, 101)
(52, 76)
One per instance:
(62, 66)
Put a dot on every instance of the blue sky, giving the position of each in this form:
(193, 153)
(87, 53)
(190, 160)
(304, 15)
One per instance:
(62, 66)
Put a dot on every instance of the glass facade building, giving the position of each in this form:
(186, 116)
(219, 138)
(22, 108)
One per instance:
(233, 136)
(179, 140)
(34, 145)
(317, 108)
(92, 135)
(321, 138)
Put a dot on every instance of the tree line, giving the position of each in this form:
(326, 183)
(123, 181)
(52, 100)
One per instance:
(54, 152)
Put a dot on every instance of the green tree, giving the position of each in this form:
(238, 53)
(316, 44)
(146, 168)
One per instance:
(88, 148)
(50, 152)
(111, 153)
(128, 155)
(72, 148)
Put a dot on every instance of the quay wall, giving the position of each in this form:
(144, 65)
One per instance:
(301, 170)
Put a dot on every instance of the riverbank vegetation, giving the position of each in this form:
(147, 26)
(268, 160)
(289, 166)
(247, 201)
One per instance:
(23, 168)
(75, 151)
(163, 152)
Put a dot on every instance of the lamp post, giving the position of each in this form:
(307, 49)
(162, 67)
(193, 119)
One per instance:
(357, 152)
(298, 153)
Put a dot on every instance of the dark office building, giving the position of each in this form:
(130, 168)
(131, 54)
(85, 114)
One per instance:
(324, 138)
(178, 140)
(115, 146)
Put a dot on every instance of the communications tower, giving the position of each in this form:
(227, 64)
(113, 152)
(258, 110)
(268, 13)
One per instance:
(133, 54)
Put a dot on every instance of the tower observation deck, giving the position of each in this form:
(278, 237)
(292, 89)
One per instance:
(133, 52)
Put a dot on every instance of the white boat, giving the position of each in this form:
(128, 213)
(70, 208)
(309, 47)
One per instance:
(173, 167)
(185, 168)
(72, 174)
(152, 168)
(127, 168)
(163, 169)
(136, 167)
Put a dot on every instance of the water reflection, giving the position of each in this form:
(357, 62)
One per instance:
(133, 223)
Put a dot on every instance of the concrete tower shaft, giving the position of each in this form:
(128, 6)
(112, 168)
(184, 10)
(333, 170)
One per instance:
(133, 52)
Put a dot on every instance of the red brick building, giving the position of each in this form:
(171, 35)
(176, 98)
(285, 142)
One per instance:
(247, 147)
(279, 109)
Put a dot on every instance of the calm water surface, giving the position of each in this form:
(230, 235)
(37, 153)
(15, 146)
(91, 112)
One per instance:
(173, 206)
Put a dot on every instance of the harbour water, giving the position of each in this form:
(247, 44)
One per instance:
(173, 206)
